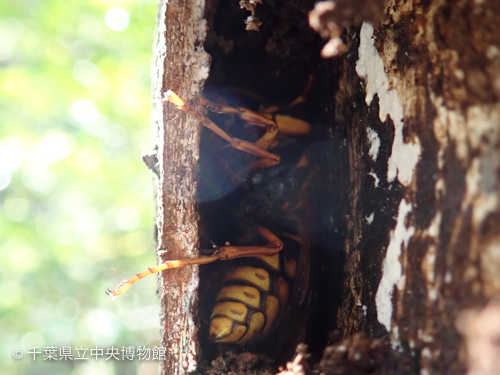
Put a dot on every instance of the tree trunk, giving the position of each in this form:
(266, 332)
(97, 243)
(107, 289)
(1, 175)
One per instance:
(180, 66)
(419, 99)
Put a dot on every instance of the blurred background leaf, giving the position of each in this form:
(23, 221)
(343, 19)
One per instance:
(75, 198)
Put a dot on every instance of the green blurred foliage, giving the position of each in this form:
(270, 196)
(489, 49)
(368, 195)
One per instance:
(75, 198)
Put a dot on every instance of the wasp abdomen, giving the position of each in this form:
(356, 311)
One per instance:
(249, 302)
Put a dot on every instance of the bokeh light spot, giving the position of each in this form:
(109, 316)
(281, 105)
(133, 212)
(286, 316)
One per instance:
(103, 326)
(88, 223)
(84, 111)
(117, 19)
(51, 149)
(10, 155)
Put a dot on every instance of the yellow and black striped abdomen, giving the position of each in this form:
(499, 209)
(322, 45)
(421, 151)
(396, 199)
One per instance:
(251, 299)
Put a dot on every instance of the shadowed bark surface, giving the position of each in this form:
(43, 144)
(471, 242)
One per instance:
(419, 98)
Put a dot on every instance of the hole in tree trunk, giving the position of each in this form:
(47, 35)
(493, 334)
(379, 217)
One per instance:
(255, 70)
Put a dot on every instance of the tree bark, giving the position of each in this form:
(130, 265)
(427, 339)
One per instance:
(419, 99)
(182, 67)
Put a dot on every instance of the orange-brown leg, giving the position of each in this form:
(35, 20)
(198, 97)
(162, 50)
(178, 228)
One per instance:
(258, 148)
(251, 117)
(274, 123)
(273, 246)
(126, 284)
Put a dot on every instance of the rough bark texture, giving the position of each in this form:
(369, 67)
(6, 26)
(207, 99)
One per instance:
(179, 65)
(420, 101)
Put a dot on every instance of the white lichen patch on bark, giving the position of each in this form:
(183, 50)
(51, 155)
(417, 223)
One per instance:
(369, 218)
(401, 165)
(392, 270)
(374, 141)
(370, 67)
(376, 180)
